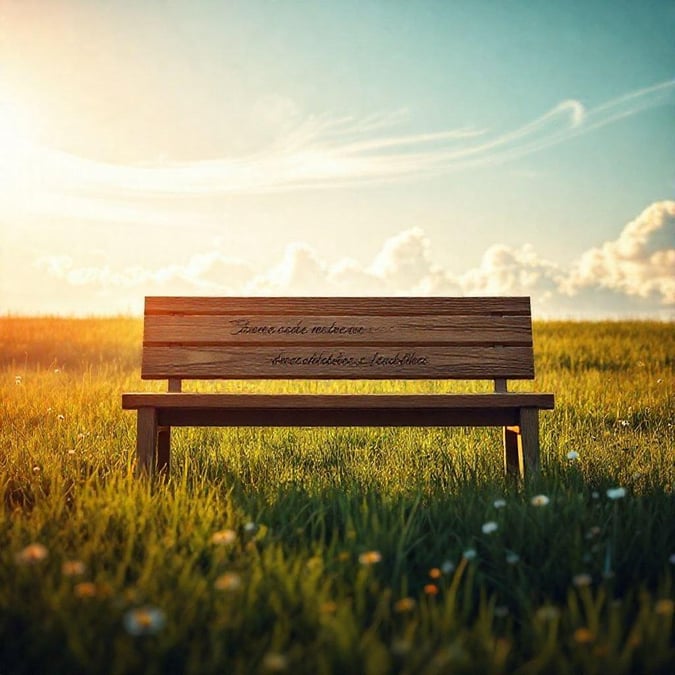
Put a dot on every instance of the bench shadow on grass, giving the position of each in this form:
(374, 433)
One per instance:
(332, 504)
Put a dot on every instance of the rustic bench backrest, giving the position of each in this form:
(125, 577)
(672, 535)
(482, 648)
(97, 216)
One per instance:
(337, 338)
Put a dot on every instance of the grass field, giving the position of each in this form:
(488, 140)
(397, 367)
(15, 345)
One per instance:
(336, 550)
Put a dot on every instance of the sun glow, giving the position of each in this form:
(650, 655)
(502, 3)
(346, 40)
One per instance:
(17, 132)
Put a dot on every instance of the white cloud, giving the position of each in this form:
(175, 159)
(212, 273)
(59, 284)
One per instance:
(299, 269)
(505, 270)
(640, 262)
(638, 266)
(203, 272)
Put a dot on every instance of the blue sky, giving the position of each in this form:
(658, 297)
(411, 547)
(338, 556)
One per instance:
(338, 148)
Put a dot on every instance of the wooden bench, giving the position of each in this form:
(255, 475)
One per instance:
(338, 339)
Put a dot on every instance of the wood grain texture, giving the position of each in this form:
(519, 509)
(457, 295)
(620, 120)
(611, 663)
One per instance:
(352, 362)
(337, 330)
(345, 306)
(396, 402)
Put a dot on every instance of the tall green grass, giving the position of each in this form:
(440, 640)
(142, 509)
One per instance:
(582, 584)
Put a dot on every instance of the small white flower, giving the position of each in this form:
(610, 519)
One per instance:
(547, 613)
(490, 527)
(616, 493)
(469, 554)
(499, 503)
(400, 647)
(250, 527)
(447, 566)
(572, 455)
(624, 423)
(540, 500)
(512, 558)
(275, 662)
(583, 579)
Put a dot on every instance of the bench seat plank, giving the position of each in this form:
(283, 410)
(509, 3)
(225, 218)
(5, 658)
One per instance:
(290, 410)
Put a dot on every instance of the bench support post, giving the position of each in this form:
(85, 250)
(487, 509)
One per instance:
(146, 440)
(529, 432)
(513, 456)
(521, 444)
(163, 451)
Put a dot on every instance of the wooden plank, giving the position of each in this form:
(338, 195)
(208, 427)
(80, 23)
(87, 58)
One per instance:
(344, 417)
(353, 362)
(396, 402)
(407, 306)
(319, 329)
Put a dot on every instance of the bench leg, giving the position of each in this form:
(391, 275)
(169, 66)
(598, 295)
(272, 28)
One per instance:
(513, 456)
(529, 433)
(163, 451)
(521, 445)
(146, 440)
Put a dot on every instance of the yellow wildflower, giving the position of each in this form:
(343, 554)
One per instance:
(73, 568)
(583, 636)
(404, 605)
(230, 581)
(85, 589)
(370, 557)
(224, 537)
(665, 607)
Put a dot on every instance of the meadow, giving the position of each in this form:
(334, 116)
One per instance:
(336, 550)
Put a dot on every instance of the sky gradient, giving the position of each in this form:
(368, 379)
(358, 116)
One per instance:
(442, 148)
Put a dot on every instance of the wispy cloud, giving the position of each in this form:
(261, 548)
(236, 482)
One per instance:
(318, 153)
